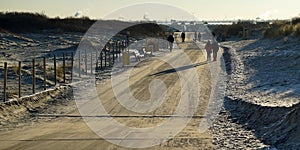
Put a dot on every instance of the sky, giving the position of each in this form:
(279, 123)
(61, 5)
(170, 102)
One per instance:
(200, 9)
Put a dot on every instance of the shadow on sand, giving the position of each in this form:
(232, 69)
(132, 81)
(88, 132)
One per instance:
(178, 69)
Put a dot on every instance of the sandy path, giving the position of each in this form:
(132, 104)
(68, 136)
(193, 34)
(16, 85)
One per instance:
(73, 133)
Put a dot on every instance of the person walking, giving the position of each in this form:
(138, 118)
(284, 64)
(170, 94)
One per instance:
(199, 36)
(208, 48)
(215, 48)
(171, 41)
(183, 36)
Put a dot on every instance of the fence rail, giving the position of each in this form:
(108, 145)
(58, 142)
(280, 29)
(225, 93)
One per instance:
(29, 77)
(39, 74)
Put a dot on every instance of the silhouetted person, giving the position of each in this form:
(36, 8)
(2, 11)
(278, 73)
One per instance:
(208, 48)
(215, 47)
(213, 34)
(183, 36)
(199, 36)
(171, 41)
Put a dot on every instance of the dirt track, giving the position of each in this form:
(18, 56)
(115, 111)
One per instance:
(72, 132)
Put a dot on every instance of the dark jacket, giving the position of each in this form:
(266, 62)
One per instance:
(182, 35)
(170, 38)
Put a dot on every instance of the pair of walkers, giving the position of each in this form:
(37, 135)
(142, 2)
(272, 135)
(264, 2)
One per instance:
(212, 47)
(171, 40)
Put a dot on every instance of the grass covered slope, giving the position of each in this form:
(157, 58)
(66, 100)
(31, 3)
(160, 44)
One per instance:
(283, 28)
(21, 22)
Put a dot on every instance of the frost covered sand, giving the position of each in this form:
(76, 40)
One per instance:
(261, 109)
(265, 72)
(19, 113)
(24, 47)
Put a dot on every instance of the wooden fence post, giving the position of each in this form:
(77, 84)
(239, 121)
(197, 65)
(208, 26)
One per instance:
(123, 47)
(45, 78)
(109, 55)
(64, 67)
(96, 60)
(72, 65)
(113, 51)
(101, 59)
(116, 50)
(5, 82)
(119, 48)
(33, 76)
(20, 77)
(55, 79)
(85, 61)
(91, 62)
(105, 57)
(79, 64)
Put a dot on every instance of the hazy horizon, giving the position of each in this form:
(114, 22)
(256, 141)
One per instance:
(200, 9)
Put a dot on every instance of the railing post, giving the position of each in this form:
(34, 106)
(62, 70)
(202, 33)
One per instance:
(55, 79)
(105, 56)
(123, 46)
(33, 76)
(85, 61)
(79, 67)
(45, 78)
(72, 65)
(120, 48)
(5, 82)
(113, 52)
(20, 77)
(116, 50)
(101, 59)
(64, 67)
(96, 60)
(91, 63)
